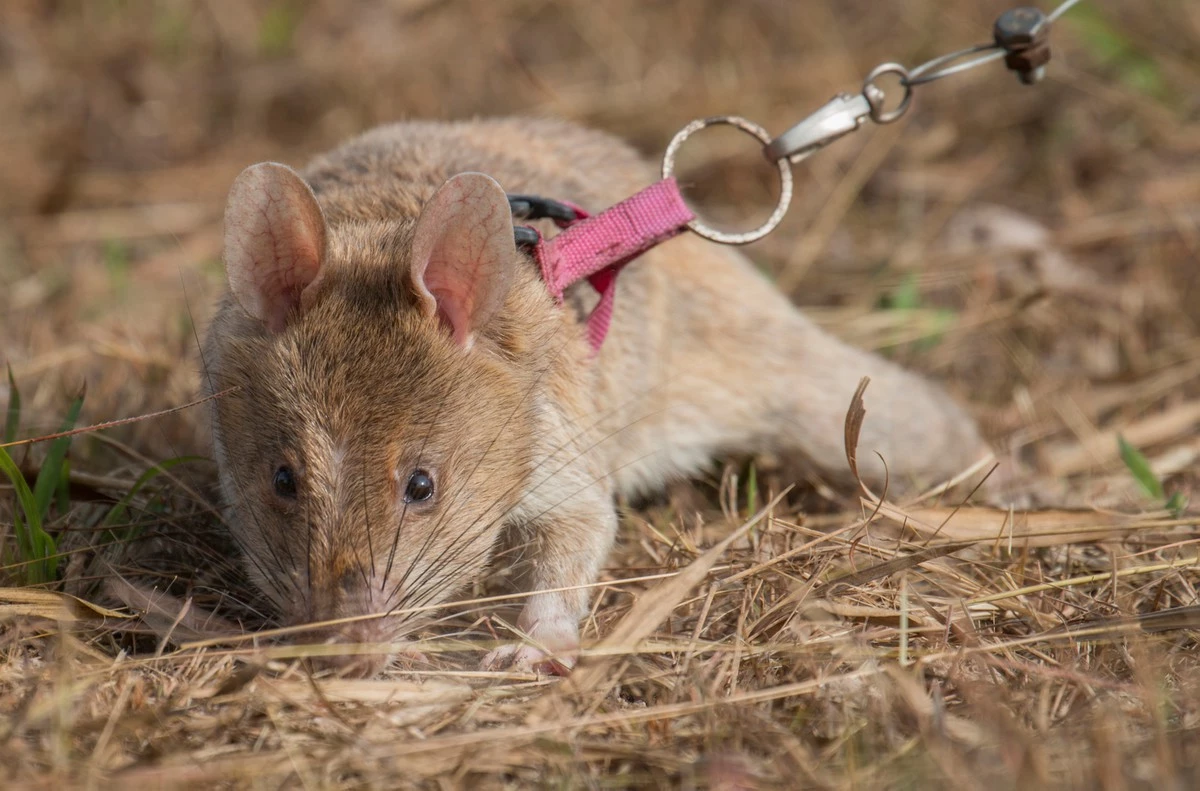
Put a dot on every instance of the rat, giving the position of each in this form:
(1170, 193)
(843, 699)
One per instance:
(410, 404)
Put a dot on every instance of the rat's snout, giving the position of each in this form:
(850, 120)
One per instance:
(350, 621)
(344, 586)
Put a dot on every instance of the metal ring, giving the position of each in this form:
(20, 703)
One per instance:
(785, 178)
(875, 94)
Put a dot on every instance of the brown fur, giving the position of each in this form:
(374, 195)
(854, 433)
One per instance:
(704, 357)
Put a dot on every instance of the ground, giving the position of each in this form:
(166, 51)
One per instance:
(1033, 248)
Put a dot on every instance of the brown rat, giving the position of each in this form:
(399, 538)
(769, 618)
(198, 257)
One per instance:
(410, 397)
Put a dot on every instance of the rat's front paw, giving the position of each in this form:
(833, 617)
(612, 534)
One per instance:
(526, 658)
(553, 640)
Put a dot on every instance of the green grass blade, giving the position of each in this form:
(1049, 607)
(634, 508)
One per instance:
(118, 512)
(13, 419)
(19, 533)
(1140, 468)
(31, 538)
(53, 468)
(62, 499)
(752, 490)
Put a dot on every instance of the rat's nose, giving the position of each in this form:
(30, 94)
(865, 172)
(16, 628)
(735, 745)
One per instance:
(341, 586)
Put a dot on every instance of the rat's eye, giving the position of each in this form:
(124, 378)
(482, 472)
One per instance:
(420, 487)
(285, 483)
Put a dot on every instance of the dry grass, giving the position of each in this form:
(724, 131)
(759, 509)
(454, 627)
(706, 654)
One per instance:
(836, 643)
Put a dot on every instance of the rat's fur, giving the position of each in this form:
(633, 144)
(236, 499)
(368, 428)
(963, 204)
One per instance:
(522, 429)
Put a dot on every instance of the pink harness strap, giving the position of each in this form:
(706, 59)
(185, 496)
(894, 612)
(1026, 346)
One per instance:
(596, 248)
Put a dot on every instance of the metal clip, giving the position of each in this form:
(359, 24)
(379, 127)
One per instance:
(840, 116)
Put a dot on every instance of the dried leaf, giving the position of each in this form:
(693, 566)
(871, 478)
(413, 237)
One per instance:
(854, 422)
(33, 603)
(653, 607)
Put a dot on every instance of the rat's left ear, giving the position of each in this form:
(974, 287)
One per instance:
(463, 254)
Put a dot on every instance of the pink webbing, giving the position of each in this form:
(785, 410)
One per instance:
(596, 248)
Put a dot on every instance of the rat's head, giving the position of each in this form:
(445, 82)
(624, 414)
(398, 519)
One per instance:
(386, 379)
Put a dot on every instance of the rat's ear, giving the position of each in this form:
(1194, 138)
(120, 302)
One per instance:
(463, 253)
(274, 242)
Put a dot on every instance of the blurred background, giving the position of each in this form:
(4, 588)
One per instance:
(1035, 248)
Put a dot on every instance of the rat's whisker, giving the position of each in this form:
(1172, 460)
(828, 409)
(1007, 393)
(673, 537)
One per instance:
(515, 548)
(272, 555)
(436, 566)
(462, 369)
(458, 544)
(268, 619)
(241, 493)
(275, 593)
(455, 499)
(570, 441)
(427, 593)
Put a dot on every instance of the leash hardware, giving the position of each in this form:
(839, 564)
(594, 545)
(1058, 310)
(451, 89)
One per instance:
(697, 226)
(1020, 36)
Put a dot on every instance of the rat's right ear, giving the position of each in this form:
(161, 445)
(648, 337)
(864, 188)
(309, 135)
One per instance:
(274, 242)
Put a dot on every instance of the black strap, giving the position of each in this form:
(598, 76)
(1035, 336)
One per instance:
(535, 207)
